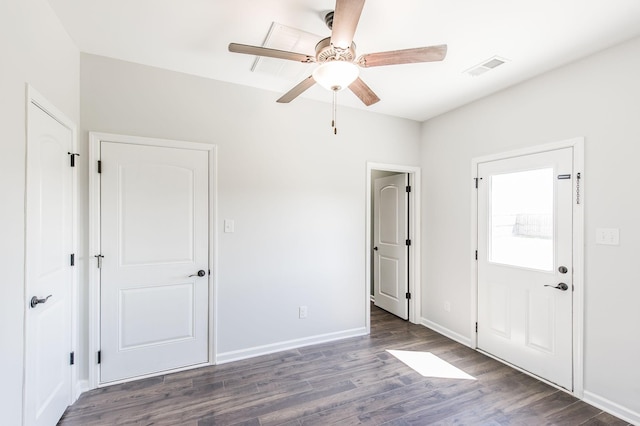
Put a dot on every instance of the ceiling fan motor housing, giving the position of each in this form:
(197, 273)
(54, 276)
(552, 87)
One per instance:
(325, 51)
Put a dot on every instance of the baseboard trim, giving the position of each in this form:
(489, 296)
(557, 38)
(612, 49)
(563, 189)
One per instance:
(446, 332)
(81, 387)
(612, 407)
(238, 355)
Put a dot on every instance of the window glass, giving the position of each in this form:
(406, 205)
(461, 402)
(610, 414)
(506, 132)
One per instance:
(522, 223)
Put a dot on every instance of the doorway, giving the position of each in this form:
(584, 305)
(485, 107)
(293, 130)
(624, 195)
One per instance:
(153, 256)
(528, 260)
(409, 299)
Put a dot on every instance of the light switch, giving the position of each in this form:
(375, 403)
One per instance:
(229, 225)
(608, 236)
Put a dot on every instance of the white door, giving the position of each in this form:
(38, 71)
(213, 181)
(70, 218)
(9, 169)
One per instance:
(154, 239)
(525, 271)
(390, 235)
(48, 276)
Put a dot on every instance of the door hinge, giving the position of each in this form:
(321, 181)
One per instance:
(99, 357)
(408, 242)
(408, 295)
(578, 177)
(72, 358)
(72, 259)
(477, 179)
(476, 254)
(408, 188)
(72, 158)
(99, 257)
(99, 166)
(476, 327)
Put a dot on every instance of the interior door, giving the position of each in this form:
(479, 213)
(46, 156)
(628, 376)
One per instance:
(155, 264)
(390, 234)
(48, 273)
(525, 271)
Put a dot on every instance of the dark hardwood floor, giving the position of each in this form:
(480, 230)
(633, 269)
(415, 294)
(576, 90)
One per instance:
(352, 381)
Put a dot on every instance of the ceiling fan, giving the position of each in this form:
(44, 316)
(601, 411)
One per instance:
(336, 56)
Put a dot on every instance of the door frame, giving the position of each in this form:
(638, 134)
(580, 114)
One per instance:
(415, 314)
(95, 138)
(34, 97)
(577, 144)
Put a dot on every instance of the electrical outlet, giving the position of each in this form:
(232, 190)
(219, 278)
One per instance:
(447, 306)
(302, 312)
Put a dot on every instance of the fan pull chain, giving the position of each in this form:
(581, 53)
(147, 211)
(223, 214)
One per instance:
(335, 112)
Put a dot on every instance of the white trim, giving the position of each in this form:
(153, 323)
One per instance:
(415, 180)
(82, 386)
(612, 407)
(34, 97)
(578, 249)
(93, 274)
(463, 340)
(95, 138)
(241, 354)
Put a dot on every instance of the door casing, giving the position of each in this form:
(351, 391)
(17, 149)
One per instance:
(95, 138)
(578, 251)
(415, 315)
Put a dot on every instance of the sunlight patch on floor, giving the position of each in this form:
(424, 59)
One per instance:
(429, 365)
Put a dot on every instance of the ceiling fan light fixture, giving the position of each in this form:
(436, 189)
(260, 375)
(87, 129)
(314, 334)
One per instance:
(336, 75)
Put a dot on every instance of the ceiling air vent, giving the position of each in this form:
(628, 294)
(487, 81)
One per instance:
(485, 66)
(282, 37)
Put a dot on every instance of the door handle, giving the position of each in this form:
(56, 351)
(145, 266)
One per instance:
(35, 300)
(561, 286)
(375, 248)
(200, 273)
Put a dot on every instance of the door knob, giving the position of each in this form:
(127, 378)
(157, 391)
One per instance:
(561, 286)
(563, 269)
(375, 248)
(200, 273)
(35, 300)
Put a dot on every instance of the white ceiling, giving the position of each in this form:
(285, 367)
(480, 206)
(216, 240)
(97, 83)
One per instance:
(192, 36)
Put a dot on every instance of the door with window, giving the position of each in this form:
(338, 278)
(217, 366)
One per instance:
(525, 271)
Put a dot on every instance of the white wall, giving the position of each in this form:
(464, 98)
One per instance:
(295, 191)
(598, 98)
(35, 49)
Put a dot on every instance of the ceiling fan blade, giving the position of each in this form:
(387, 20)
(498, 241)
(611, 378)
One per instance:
(345, 21)
(364, 92)
(271, 53)
(297, 90)
(406, 56)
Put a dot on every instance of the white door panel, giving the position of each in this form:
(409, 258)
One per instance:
(524, 236)
(48, 270)
(154, 230)
(390, 263)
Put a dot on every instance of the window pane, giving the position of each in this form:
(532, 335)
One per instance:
(521, 228)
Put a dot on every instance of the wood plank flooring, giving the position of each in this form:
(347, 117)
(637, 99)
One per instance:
(349, 382)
